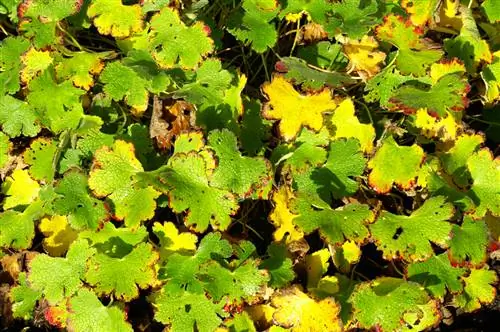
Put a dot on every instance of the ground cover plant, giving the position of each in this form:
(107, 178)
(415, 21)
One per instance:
(248, 165)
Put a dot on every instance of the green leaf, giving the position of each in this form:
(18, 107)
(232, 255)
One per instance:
(252, 24)
(173, 43)
(447, 94)
(185, 311)
(112, 17)
(353, 17)
(113, 176)
(414, 55)
(17, 117)
(49, 10)
(11, 50)
(392, 304)
(123, 277)
(492, 10)
(394, 164)
(485, 191)
(315, 9)
(479, 289)
(87, 313)
(324, 55)
(469, 242)
(238, 174)
(298, 70)
(73, 199)
(410, 237)
(57, 277)
(18, 229)
(39, 157)
(437, 275)
(42, 34)
(24, 299)
(185, 180)
(5, 149)
(278, 264)
(81, 68)
(63, 110)
(240, 323)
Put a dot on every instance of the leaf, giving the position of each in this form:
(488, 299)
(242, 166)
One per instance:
(455, 159)
(414, 55)
(11, 50)
(444, 129)
(410, 237)
(478, 290)
(437, 275)
(33, 63)
(17, 117)
(469, 242)
(353, 17)
(317, 265)
(300, 110)
(346, 255)
(171, 241)
(492, 10)
(485, 192)
(123, 277)
(449, 93)
(468, 46)
(58, 235)
(19, 189)
(324, 55)
(57, 277)
(491, 77)
(73, 199)
(315, 10)
(347, 125)
(81, 68)
(24, 299)
(87, 312)
(298, 70)
(391, 304)
(113, 176)
(280, 267)
(111, 17)
(421, 12)
(18, 229)
(48, 10)
(240, 323)
(185, 180)
(172, 43)
(296, 310)
(363, 56)
(348, 222)
(41, 34)
(235, 173)
(40, 157)
(282, 217)
(252, 24)
(63, 110)
(185, 311)
(5, 147)
(394, 164)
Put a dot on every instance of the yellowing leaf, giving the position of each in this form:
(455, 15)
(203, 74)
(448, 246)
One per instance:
(345, 255)
(394, 164)
(478, 290)
(347, 125)
(293, 109)
(297, 311)
(444, 68)
(421, 11)
(316, 265)
(33, 63)
(172, 241)
(112, 17)
(444, 129)
(363, 56)
(59, 235)
(80, 68)
(20, 189)
(282, 217)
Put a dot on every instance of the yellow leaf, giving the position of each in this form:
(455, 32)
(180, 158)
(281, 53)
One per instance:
(282, 218)
(293, 109)
(316, 265)
(421, 11)
(347, 125)
(59, 235)
(346, 255)
(441, 69)
(20, 189)
(449, 19)
(363, 56)
(34, 62)
(261, 314)
(444, 129)
(296, 310)
(172, 241)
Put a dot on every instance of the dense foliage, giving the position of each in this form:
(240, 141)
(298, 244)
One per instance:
(316, 165)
